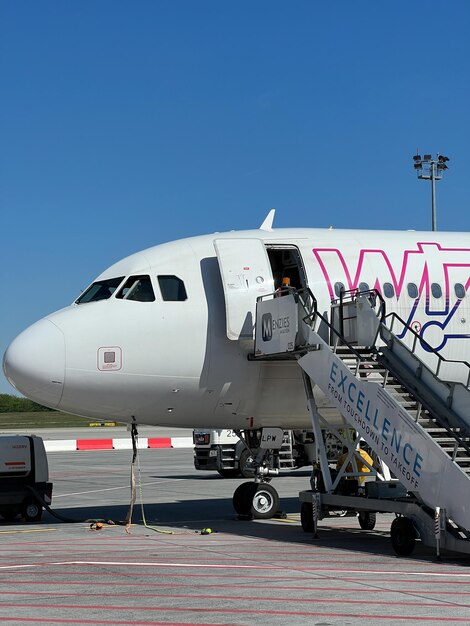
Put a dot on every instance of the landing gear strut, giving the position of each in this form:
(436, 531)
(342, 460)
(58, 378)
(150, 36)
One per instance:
(259, 499)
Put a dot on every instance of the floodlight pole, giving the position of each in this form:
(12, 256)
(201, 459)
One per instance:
(433, 170)
(433, 195)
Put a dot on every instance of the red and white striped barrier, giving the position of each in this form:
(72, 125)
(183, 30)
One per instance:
(66, 445)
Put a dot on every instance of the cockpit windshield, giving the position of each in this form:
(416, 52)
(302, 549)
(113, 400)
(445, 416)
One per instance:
(101, 290)
(137, 288)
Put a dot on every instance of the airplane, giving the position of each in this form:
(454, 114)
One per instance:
(164, 336)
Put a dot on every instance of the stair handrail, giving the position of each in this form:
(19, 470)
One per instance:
(310, 306)
(416, 337)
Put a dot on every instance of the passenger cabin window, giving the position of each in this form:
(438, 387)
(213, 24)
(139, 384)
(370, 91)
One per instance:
(389, 291)
(459, 290)
(172, 288)
(363, 287)
(101, 290)
(412, 290)
(137, 288)
(436, 290)
(339, 289)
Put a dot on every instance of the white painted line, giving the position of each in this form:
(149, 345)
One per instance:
(163, 564)
(263, 566)
(80, 493)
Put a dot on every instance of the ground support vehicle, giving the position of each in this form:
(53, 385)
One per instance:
(414, 421)
(413, 519)
(223, 451)
(24, 477)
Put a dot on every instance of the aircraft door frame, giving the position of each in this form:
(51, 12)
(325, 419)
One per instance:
(292, 266)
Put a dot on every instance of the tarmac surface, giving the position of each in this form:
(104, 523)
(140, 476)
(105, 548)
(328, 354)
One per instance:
(244, 572)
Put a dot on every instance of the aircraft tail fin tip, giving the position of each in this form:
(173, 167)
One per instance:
(268, 221)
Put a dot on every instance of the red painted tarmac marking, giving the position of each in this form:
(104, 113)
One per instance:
(258, 599)
(159, 442)
(197, 609)
(94, 444)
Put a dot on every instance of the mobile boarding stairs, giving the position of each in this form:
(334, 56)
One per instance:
(370, 367)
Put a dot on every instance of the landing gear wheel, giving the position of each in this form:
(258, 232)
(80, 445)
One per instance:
(367, 520)
(31, 511)
(245, 458)
(259, 500)
(403, 536)
(264, 501)
(229, 473)
(306, 517)
(241, 500)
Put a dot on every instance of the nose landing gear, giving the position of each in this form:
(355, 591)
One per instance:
(259, 499)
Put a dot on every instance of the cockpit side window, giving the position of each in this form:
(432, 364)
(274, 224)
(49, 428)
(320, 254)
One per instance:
(172, 288)
(100, 290)
(137, 288)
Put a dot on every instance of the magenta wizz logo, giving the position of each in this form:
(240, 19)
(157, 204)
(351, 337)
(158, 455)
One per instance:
(427, 263)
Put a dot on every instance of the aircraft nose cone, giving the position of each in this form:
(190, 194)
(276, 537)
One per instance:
(34, 363)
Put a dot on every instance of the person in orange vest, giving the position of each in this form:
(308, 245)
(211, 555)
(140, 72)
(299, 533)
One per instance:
(285, 287)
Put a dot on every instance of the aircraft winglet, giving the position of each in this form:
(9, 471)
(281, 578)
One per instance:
(268, 221)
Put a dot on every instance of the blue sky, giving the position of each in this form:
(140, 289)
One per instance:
(127, 124)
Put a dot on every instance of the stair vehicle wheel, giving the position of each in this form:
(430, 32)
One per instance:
(367, 520)
(229, 473)
(241, 499)
(31, 511)
(306, 517)
(264, 501)
(403, 536)
(245, 458)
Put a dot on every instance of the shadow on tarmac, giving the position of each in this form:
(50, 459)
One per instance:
(335, 533)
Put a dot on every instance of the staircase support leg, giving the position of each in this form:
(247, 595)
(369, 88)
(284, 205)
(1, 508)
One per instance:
(320, 444)
(315, 513)
(440, 517)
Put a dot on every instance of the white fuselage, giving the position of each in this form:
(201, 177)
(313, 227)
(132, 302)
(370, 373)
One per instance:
(182, 361)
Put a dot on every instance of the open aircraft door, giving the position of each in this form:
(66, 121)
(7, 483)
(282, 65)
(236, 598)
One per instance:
(246, 274)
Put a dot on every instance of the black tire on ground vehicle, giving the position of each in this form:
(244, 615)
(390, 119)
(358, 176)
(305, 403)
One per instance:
(403, 536)
(31, 511)
(306, 517)
(367, 520)
(264, 501)
(229, 473)
(245, 457)
(240, 499)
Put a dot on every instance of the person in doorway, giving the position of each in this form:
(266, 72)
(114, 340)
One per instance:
(285, 287)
